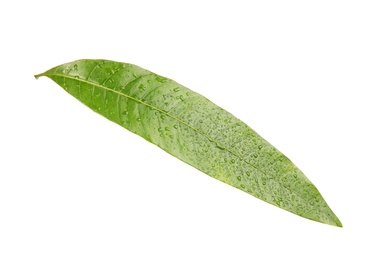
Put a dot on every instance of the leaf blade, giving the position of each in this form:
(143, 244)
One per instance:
(193, 129)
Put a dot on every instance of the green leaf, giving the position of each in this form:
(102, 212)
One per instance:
(193, 129)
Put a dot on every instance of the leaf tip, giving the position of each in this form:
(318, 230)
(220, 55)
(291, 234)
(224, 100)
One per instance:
(339, 224)
(335, 221)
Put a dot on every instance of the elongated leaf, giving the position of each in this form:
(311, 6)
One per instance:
(193, 129)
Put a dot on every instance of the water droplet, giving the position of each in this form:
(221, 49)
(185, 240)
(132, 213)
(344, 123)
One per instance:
(142, 87)
(188, 93)
(295, 175)
(138, 119)
(167, 128)
(242, 186)
(221, 148)
(163, 117)
(160, 129)
(255, 155)
(232, 161)
(166, 103)
(182, 98)
(239, 178)
(75, 67)
(161, 79)
(175, 126)
(263, 182)
(77, 77)
(248, 174)
(176, 89)
(260, 147)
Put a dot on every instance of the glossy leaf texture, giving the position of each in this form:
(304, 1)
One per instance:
(190, 127)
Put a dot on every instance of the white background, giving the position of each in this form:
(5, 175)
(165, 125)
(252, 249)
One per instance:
(75, 186)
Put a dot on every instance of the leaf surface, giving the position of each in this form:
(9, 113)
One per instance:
(193, 129)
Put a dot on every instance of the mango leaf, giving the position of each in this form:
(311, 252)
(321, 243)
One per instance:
(190, 127)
